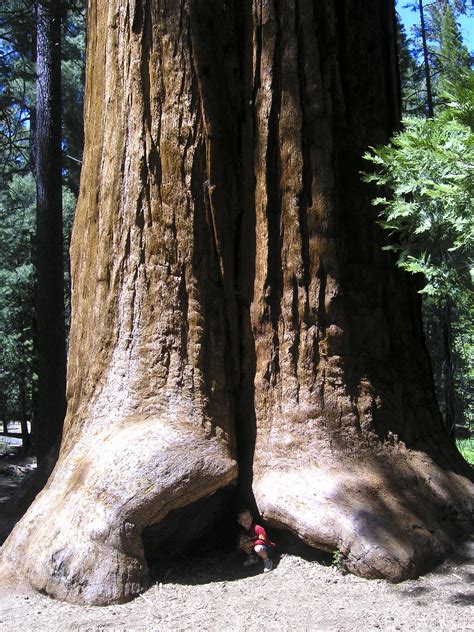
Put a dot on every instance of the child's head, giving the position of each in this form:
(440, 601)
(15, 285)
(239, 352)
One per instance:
(244, 518)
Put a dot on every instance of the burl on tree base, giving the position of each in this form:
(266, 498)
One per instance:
(232, 308)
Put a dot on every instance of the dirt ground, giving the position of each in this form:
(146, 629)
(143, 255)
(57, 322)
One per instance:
(215, 592)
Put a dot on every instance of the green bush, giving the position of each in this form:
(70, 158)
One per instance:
(466, 448)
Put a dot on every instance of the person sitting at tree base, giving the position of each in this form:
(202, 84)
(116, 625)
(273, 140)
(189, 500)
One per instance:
(254, 542)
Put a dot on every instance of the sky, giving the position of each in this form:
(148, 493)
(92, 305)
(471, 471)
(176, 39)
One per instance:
(410, 17)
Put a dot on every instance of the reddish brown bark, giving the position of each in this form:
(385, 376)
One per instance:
(231, 301)
(349, 440)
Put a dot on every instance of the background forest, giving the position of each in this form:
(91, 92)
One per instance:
(423, 186)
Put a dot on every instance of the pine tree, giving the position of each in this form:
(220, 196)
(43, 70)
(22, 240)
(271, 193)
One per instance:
(436, 44)
(452, 54)
(17, 130)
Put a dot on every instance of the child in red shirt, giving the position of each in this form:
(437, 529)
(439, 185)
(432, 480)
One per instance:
(254, 542)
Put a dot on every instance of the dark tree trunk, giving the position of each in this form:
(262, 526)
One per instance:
(426, 60)
(50, 331)
(25, 435)
(231, 301)
(449, 369)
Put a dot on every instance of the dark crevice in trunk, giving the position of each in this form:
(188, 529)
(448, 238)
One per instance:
(137, 16)
(258, 56)
(246, 426)
(322, 276)
(274, 281)
(215, 61)
(245, 250)
(184, 308)
(305, 200)
(207, 525)
(146, 48)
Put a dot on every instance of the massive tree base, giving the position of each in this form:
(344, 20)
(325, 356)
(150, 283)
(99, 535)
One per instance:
(229, 282)
(392, 515)
(81, 539)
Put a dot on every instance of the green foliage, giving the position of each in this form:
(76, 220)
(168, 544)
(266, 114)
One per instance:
(17, 207)
(462, 355)
(428, 168)
(411, 79)
(18, 189)
(459, 99)
(16, 88)
(426, 178)
(337, 561)
(446, 54)
(452, 55)
(466, 448)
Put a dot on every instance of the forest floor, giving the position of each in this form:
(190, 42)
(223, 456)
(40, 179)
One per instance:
(213, 591)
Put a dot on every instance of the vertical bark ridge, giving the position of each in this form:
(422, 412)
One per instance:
(305, 247)
(291, 184)
(305, 201)
(273, 208)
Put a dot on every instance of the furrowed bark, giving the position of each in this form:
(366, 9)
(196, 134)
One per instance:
(351, 452)
(151, 382)
(231, 301)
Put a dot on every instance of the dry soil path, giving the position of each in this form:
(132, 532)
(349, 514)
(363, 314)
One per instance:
(216, 593)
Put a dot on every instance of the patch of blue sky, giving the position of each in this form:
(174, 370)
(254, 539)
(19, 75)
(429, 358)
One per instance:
(411, 18)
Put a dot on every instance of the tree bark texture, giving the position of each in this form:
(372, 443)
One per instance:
(342, 375)
(49, 291)
(231, 302)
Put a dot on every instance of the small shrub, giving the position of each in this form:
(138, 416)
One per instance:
(338, 561)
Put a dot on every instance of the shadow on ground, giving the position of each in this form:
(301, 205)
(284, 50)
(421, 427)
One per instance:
(204, 565)
(463, 599)
(416, 591)
(15, 468)
(205, 568)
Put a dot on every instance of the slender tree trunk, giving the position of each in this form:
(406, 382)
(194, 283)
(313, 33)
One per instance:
(231, 301)
(448, 369)
(49, 237)
(25, 435)
(426, 61)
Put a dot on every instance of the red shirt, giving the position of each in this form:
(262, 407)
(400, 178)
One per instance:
(259, 535)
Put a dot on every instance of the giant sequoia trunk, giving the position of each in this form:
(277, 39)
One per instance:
(231, 302)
